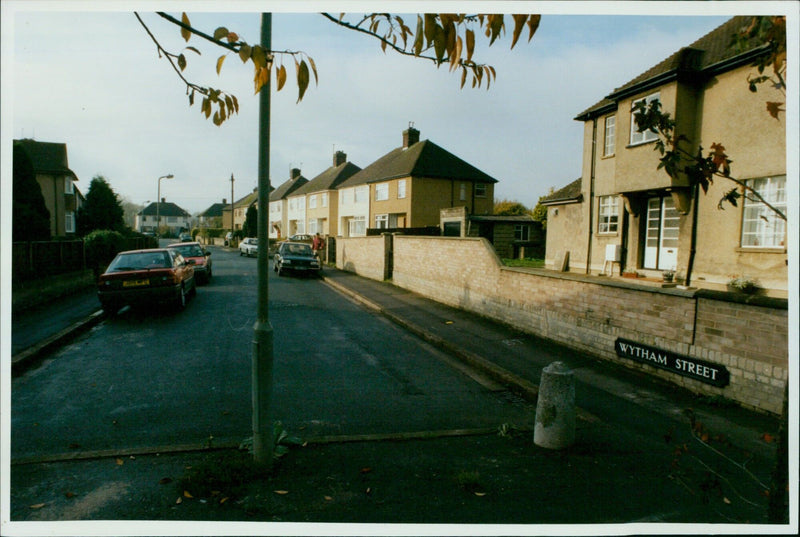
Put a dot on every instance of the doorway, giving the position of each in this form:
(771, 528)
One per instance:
(662, 229)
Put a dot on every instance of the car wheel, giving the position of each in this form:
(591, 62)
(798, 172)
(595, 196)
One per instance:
(241, 253)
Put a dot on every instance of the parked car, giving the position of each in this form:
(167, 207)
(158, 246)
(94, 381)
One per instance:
(194, 251)
(248, 246)
(139, 277)
(296, 257)
(185, 237)
(301, 237)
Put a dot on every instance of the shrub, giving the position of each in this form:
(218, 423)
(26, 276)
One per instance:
(101, 246)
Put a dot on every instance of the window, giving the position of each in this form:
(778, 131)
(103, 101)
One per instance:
(608, 221)
(646, 136)
(381, 221)
(69, 188)
(312, 202)
(521, 232)
(401, 189)
(172, 220)
(608, 140)
(382, 191)
(69, 222)
(324, 197)
(357, 226)
(345, 196)
(462, 192)
(761, 227)
(312, 226)
(480, 190)
(361, 194)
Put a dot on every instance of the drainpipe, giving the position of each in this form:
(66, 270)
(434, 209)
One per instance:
(591, 198)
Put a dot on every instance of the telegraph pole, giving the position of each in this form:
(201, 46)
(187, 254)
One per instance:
(262, 330)
(232, 202)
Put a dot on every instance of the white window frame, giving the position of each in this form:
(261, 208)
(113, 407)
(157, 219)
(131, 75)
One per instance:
(357, 226)
(381, 191)
(312, 201)
(69, 187)
(608, 215)
(401, 189)
(381, 221)
(69, 222)
(638, 138)
(324, 197)
(609, 136)
(761, 227)
(522, 232)
(480, 190)
(462, 192)
(361, 194)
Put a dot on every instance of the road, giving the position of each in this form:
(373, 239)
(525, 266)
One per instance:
(154, 379)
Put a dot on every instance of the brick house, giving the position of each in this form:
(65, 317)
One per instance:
(408, 186)
(212, 217)
(56, 180)
(624, 209)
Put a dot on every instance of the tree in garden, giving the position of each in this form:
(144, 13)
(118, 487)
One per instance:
(30, 217)
(539, 213)
(101, 210)
(250, 227)
(506, 207)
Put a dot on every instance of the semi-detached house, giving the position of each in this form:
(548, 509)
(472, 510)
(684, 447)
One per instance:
(625, 214)
(285, 219)
(409, 186)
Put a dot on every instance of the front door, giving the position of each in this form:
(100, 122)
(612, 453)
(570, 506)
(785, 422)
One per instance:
(661, 234)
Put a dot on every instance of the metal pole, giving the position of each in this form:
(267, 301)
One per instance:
(263, 442)
(232, 207)
(158, 203)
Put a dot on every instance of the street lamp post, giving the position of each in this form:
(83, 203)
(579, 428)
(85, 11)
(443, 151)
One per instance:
(158, 203)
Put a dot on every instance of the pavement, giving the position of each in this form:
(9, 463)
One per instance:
(645, 452)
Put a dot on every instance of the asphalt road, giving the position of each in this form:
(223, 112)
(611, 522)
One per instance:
(154, 379)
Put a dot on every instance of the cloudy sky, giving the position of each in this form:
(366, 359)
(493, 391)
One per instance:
(92, 79)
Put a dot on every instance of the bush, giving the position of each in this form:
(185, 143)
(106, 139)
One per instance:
(101, 246)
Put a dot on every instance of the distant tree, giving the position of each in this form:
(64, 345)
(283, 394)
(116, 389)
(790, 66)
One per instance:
(506, 207)
(539, 213)
(250, 226)
(31, 219)
(101, 210)
(129, 211)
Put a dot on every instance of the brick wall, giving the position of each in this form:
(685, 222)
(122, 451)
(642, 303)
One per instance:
(363, 255)
(589, 313)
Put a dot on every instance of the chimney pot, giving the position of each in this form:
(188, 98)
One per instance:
(339, 158)
(163, 200)
(224, 201)
(295, 173)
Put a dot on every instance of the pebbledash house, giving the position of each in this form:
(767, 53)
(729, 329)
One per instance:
(625, 216)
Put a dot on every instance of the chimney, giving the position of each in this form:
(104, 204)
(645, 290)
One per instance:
(295, 173)
(410, 137)
(224, 201)
(339, 158)
(163, 200)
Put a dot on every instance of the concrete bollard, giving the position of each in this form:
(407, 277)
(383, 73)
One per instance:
(555, 408)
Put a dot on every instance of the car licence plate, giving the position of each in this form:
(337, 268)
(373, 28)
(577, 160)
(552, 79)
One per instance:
(135, 283)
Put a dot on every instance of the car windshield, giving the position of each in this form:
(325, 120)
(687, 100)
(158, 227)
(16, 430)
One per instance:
(297, 249)
(140, 261)
(193, 250)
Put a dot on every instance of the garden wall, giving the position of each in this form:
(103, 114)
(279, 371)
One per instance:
(709, 342)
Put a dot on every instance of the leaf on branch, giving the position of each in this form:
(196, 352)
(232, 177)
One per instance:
(244, 53)
(220, 61)
(418, 39)
(193, 50)
(302, 79)
(775, 109)
(233, 37)
(220, 33)
(281, 73)
(185, 34)
(470, 35)
(313, 70)
(533, 25)
(182, 62)
(519, 24)
(259, 56)
(261, 78)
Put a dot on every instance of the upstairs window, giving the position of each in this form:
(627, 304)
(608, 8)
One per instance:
(480, 190)
(462, 195)
(312, 202)
(648, 135)
(361, 194)
(381, 191)
(69, 222)
(69, 188)
(324, 199)
(609, 136)
(401, 189)
(761, 227)
(608, 221)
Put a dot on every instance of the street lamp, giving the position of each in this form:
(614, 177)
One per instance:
(158, 203)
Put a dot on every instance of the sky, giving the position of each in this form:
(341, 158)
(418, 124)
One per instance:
(88, 75)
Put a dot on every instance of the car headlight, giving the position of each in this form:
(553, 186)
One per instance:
(287, 261)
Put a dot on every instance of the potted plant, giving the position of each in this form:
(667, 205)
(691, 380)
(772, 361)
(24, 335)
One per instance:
(668, 275)
(744, 284)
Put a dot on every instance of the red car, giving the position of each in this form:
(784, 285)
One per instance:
(202, 259)
(150, 276)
